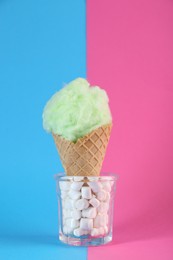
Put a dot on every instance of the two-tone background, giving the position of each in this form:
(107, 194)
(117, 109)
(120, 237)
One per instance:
(127, 48)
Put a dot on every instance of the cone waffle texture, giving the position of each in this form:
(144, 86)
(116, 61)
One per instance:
(85, 157)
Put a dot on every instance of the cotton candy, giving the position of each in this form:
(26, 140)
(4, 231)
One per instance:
(76, 110)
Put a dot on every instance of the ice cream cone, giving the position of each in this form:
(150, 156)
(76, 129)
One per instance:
(85, 157)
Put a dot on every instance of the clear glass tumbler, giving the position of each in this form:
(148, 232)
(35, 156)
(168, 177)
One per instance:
(85, 206)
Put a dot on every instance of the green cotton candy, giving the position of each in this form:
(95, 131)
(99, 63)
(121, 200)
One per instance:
(76, 110)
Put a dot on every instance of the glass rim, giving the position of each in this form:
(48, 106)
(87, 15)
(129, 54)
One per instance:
(105, 177)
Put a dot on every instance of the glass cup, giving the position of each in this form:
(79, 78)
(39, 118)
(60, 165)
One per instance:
(85, 206)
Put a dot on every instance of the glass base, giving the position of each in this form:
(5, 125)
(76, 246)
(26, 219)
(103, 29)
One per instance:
(85, 240)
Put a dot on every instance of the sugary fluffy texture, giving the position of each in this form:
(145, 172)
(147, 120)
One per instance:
(76, 110)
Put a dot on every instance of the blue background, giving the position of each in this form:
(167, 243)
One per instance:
(42, 46)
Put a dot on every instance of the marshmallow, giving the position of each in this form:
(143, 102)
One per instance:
(64, 194)
(89, 212)
(80, 232)
(72, 223)
(103, 208)
(65, 230)
(64, 185)
(100, 221)
(101, 195)
(86, 223)
(94, 202)
(86, 192)
(76, 214)
(70, 230)
(108, 196)
(78, 178)
(81, 204)
(86, 232)
(111, 183)
(66, 213)
(69, 204)
(74, 194)
(94, 232)
(63, 202)
(95, 186)
(101, 231)
(76, 185)
(106, 186)
(107, 218)
(106, 229)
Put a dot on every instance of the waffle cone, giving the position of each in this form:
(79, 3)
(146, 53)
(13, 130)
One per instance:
(85, 157)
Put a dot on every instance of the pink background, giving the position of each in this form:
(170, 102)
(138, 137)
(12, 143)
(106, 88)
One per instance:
(130, 54)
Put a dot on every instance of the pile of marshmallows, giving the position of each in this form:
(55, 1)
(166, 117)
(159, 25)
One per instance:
(85, 206)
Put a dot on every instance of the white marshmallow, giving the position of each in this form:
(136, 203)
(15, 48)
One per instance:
(86, 232)
(107, 218)
(101, 195)
(94, 202)
(78, 178)
(81, 204)
(76, 214)
(63, 201)
(64, 185)
(63, 220)
(66, 213)
(76, 185)
(103, 208)
(86, 192)
(74, 194)
(70, 230)
(106, 229)
(72, 223)
(80, 232)
(100, 221)
(95, 186)
(101, 231)
(86, 223)
(108, 196)
(112, 183)
(106, 186)
(89, 212)
(64, 194)
(94, 232)
(65, 230)
(66, 204)
(69, 204)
